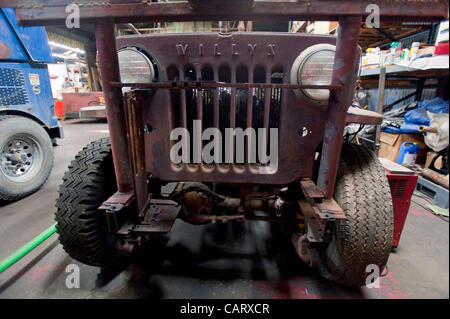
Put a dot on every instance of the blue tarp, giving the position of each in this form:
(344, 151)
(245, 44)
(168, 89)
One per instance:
(418, 116)
(405, 128)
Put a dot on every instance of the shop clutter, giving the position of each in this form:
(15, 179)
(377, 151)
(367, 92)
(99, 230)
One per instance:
(401, 54)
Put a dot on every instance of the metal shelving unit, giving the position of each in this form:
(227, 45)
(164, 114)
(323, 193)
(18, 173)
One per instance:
(419, 70)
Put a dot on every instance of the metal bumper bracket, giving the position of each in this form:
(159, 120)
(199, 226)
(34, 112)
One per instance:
(113, 205)
(159, 216)
(320, 213)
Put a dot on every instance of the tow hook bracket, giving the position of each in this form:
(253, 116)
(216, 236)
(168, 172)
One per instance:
(323, 207)
(317, 230)
(320, 215)
(159, 216)
(113, 205)
(307, 253)
(118, 199)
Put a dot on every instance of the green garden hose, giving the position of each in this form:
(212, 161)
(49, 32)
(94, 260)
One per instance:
(25, 249)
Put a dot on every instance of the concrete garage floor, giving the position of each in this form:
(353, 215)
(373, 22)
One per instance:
(249, 260)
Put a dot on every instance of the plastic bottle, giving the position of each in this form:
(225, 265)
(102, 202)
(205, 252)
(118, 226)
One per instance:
(378, 55)
(398, 53)
(407, 154)
(405, 55)
(414, 49)
(390, 57)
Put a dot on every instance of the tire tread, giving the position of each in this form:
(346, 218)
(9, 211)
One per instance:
(365, 236)
(81, 227)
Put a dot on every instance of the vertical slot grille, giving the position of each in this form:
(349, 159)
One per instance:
(224, 104)
(190, 74)
(241, 98)
(208, 98)
(226, 107)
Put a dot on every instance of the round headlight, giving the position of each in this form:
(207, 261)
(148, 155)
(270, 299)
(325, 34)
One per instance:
(135, 66)
(314, 66)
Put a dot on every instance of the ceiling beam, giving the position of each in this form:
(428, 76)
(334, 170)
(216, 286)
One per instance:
(386, 34)
(45, 12)
(80, 35)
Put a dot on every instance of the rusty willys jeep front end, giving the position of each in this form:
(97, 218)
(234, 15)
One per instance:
(276, 84)
(196, 120)
(235, 80)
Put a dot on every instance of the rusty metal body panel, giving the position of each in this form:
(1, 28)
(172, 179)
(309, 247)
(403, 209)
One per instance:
(271, 52)
(109, 68)
(361, 116)
(40, 12)
(345, 69)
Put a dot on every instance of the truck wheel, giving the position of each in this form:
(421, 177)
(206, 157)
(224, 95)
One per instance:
(82, 228)
(365, 236)
(26, 157)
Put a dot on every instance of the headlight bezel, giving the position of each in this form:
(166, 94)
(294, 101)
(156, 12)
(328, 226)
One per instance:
(299, 63)
(153, 66)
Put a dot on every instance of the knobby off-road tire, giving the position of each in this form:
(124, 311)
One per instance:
(365, 236)
(26, 157)
(82, 228)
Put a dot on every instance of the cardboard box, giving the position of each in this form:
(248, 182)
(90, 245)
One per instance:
(390, 145)
(426, 50)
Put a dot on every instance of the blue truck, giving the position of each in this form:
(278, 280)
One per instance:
(28, 123)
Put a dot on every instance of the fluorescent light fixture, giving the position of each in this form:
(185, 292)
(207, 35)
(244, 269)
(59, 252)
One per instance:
(65, 47)
(67, 57)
